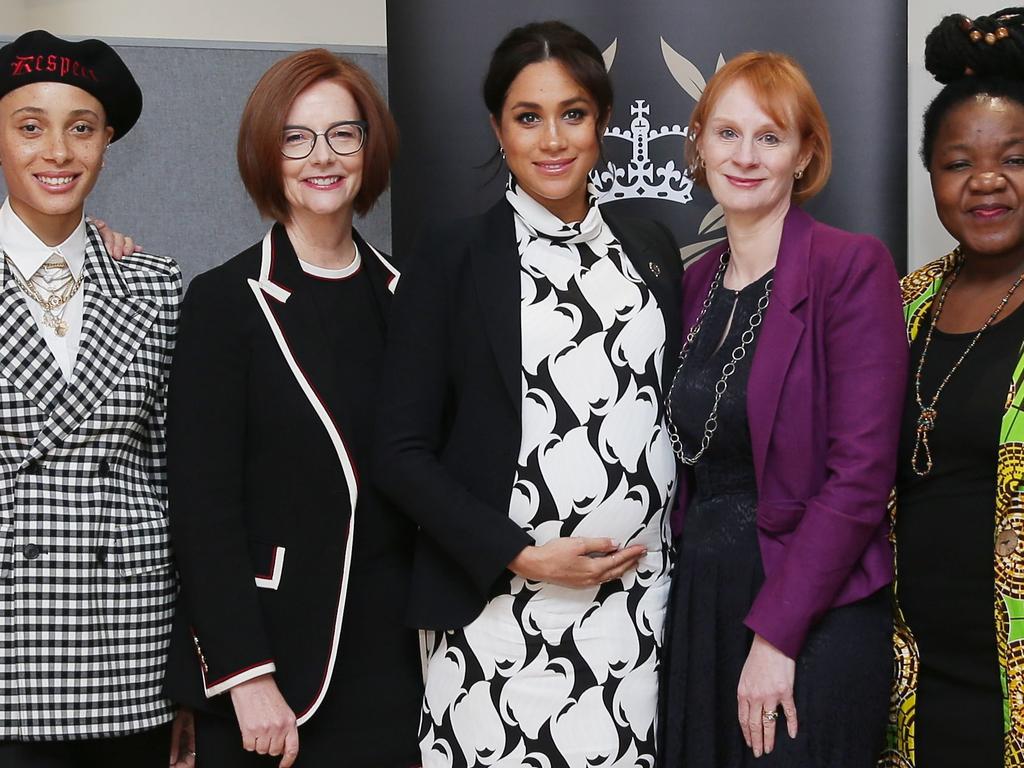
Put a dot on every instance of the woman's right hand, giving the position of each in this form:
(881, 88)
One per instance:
(266, 721)
(576, 561)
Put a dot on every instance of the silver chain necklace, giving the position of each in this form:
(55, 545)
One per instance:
(738, 353)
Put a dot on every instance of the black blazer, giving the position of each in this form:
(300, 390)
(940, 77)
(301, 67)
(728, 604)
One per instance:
(262, 485)
(449, 429)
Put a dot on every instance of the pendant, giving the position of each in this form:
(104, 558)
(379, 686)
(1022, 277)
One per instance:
(925, 424)
(1006, 542)
(926, 421)
(59, 325)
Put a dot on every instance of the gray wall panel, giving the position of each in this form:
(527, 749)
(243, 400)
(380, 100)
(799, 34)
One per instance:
(173, 182)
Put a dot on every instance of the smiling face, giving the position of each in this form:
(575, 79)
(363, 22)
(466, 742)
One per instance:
(52, 139)
(549, 132)
(977, 174)
(749, 158)
(325, 183)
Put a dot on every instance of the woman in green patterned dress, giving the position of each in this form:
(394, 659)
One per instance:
(958, 514)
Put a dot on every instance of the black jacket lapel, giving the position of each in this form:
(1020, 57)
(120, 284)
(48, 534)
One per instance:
(495, 264)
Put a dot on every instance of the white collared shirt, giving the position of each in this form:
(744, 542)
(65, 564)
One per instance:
(28, 253)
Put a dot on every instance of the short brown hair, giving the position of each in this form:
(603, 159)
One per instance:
(778, 82)
(263, 120)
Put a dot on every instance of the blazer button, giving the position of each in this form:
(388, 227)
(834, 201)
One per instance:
(33, 469)
(104, 468)
(32, 551)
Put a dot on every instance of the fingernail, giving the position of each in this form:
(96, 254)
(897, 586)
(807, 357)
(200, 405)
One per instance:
(757, 752)
(614, 543)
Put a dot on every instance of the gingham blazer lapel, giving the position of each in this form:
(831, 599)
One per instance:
(114, 323)
(25, 359)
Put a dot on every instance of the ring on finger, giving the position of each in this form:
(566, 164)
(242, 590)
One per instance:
(769, 716)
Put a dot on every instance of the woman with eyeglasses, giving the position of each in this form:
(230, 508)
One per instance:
(283, 644)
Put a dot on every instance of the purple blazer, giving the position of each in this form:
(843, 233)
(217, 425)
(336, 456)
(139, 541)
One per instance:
(824, 403)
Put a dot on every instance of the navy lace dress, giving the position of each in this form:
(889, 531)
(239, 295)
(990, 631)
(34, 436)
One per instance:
(842, 676)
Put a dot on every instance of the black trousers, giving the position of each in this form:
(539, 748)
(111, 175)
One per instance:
(150, 749)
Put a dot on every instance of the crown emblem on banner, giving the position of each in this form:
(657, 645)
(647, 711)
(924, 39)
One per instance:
(641, 178)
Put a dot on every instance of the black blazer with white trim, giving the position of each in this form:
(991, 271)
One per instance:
(263, 486)
(449, 426)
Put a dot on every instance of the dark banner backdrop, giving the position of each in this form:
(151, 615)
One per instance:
(660, 52)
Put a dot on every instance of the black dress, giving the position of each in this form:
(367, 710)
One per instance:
(945, 526)
(843, 672)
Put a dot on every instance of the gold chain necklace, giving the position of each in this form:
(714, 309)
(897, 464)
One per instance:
(929, 413)
(53, 305)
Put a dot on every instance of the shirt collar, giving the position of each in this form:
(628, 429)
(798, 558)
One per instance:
(28, 252)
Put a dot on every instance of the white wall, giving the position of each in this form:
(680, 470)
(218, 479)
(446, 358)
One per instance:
(926, 239)
(333, 22)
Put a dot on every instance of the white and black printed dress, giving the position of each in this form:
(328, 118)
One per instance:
(551, 676)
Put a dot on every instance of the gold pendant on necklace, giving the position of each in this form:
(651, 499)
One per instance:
(59, 325)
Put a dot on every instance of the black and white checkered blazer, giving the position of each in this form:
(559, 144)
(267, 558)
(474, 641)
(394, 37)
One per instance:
(87, 585)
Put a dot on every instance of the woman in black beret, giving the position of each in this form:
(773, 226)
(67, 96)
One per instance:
(87, 584)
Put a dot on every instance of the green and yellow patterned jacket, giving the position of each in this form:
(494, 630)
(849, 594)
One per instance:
(919, 290)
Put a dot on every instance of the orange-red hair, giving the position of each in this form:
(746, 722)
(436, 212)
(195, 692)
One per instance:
(783, 91)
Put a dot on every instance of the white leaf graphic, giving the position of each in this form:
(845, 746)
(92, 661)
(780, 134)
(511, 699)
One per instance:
(478, 727)
(584, 733)
(691, 252)
(683, 70)
(636, 699)
(715, 219)
(609, 54)
(721, 62)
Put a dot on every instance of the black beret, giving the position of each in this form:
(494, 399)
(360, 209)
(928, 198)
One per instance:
(92, 65)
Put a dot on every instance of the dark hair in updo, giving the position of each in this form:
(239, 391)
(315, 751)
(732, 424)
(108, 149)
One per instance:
(545, 41)
(984, 55)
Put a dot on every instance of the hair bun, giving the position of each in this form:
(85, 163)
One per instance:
(986, 46)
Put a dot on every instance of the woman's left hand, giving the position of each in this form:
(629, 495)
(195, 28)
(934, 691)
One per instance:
(766, 683)
(117, 245)
(183, 740)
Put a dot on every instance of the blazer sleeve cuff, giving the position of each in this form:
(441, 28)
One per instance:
(497, 556)
(217, 687)
(788, 638)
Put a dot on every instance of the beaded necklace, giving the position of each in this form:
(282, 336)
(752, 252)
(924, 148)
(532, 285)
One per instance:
(929, 413)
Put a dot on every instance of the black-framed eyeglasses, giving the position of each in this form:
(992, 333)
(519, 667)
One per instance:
(346, 137)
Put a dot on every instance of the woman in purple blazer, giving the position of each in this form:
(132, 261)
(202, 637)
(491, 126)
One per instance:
(785, 415)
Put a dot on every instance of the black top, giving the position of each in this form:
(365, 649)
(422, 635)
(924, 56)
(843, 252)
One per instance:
(945, 528)
(693, 394)
(373, 646)
(353, 322)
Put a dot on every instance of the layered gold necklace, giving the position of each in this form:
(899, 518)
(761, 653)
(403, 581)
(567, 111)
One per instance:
(50, 293)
